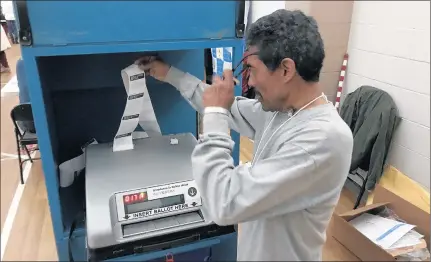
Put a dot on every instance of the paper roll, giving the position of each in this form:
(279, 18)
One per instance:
(69, 169)
(138, 110)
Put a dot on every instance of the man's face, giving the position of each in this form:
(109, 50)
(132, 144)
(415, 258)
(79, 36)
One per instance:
(270, 86)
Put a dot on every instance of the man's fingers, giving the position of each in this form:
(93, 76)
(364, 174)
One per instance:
(144, 63)
(228, 75)
(216, 79)
(144, 60)
(145, 67)
(138, 61)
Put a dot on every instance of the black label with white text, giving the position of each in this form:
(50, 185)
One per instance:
(137, 77)
(130, 117)
(123, 135)
(135, 96)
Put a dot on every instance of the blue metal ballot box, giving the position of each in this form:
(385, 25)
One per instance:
(73, 53)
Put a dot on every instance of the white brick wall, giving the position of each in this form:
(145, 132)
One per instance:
(262, 8)
(389, 48)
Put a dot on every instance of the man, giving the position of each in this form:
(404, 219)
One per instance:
(7, 8)
(4, 42)
(285, 198)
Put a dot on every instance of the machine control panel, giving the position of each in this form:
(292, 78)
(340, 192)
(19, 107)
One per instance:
(157, 200)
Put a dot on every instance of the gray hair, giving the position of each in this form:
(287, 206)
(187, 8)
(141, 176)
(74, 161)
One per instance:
(288, 34)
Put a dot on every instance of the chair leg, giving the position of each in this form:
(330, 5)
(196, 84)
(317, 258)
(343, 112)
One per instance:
(361, 192)
(358, 199)
(19, 159)
(28, 154)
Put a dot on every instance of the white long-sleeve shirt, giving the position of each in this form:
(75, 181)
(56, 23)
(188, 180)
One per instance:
(285, 201)
(4, 43)
(7, 8)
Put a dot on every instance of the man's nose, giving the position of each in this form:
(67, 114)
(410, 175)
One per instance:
(250, 81)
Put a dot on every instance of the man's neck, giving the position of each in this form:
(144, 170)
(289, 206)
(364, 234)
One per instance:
(305, 94)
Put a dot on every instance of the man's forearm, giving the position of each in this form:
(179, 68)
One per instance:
(190, 87)
(243, 114)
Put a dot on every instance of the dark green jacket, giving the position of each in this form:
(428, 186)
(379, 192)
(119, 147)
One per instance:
(373, 118)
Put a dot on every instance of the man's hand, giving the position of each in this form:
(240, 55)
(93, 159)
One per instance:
(221, 92)
(153, 66)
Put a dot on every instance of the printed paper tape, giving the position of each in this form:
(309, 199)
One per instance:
(138, 110)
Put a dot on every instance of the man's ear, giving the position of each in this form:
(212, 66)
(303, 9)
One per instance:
(288, 69)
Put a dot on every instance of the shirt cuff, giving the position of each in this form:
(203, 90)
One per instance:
(216, 109)
(215, 122)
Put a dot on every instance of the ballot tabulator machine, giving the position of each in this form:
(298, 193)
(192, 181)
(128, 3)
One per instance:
(73, 53)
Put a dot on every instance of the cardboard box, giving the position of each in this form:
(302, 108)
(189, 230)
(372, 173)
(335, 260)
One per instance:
(364, 248)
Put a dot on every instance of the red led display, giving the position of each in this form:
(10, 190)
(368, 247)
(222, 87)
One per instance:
(134, 198)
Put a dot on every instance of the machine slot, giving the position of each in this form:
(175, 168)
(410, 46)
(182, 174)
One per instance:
(159, 242)
(161, 223)
(167, 244)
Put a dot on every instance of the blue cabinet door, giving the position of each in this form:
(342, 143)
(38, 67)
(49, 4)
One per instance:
(84, 22)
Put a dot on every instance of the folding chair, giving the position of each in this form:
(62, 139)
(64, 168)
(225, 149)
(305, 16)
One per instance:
(26, 135)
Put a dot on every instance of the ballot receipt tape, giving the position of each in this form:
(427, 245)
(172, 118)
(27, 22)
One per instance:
(151, 195)
(103, 202)
(138, 111)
